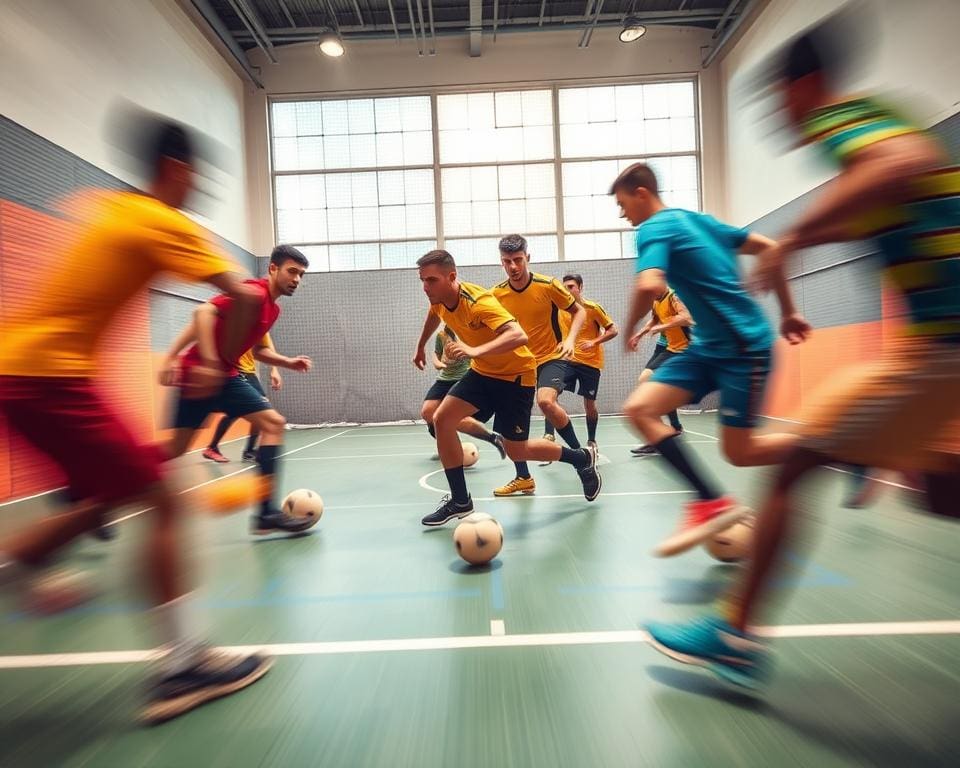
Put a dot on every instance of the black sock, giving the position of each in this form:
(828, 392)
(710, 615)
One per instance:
(458, 485)
(568, 435)
(432, 431)
(548, 428)
(267, 458)
(252, 440)
(575, 456)
(674, 420)
(222, 426)
(673, 451)
(522, 469)
(592, 428)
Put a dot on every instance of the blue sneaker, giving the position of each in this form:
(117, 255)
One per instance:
(712, 643)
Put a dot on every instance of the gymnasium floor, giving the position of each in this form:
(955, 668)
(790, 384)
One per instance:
(391, 652)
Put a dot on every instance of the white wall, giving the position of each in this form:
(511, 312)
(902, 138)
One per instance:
(63, 63)
(913, 56)
(382, 65)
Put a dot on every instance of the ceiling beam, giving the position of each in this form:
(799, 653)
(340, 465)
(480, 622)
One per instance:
(746, 7)
(219, 29)
(252, 22)
(475, 30)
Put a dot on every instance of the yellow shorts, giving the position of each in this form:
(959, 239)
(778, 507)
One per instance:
(901, 412)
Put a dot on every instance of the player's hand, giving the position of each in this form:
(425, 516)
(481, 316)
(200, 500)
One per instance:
(420, 359)
(457, 350)
(587, 345)
(276, 381)
(170, 373)
(767, 270)
(630, 343)
(566, 349)
(300, 363)
(795, 328)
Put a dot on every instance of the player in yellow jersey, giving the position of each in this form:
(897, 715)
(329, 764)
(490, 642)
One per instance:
(500, 382)
(48, 394)
(537, 301)
(247, 368)
(671, 319)
(584, 373)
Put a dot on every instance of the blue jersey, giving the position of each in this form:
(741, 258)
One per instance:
(699, 255)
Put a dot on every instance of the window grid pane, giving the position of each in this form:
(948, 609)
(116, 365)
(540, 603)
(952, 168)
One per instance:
(343, 216)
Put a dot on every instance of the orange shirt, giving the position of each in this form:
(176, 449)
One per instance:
(475, 320)
(537, 308)
(126, 239)
(596, 323)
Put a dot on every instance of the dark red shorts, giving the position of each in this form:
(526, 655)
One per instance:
(69, 421)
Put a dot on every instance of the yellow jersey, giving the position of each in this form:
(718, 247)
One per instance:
(247, 363)
(537, 307)
(596, 323)
(475, 320)
(125, 239)
(664, 309)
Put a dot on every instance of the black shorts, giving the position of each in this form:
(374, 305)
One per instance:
(553, 374)
(238, 398)
(660, 355)
(509, 402)
(582, 379)
(438, 390)
(254, 381)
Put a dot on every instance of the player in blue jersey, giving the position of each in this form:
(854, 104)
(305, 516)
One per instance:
(730, 352)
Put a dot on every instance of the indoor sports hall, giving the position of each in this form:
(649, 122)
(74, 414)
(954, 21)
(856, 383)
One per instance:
(367, 133)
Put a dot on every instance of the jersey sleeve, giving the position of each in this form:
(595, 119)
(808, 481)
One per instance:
(267, 342)
(181, 247)
(560, 295)
(603, 319)
(491, 313)
(653, 248)
(730, 236)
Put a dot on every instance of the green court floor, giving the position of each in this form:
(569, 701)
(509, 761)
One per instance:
(391, 652)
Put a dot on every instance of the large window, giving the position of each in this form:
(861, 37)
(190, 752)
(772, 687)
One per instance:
(374, 183)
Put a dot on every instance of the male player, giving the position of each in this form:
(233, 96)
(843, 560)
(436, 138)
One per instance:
(500, 382)
(49, 396)
(536, 302)
(584, 373)
(697, 254)
(894, 185)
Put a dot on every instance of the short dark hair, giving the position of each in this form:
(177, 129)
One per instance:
(439, 257)
(637, 175)
(168, 139)
(577, 278)
(284, 253)
(513, 244)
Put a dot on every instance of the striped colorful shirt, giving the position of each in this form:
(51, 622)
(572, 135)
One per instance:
(919, 239)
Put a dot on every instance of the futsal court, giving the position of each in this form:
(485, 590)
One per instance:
(390, 650)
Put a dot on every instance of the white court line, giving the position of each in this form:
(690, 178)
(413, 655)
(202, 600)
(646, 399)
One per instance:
(62, 487)
(229, 474)
(877, 629)
(872, 479)
(363, 456)
(780, 418)
(497, 628)
(426, 486)
(699, 434)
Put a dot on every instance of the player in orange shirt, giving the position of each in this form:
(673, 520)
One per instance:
(48, 394)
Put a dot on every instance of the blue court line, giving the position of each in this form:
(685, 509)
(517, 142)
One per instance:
(496, 590)
(263, 601)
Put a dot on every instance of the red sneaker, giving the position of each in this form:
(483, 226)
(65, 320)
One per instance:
(701, 520)
(214, 455)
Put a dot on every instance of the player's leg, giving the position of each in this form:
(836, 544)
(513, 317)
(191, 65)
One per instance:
(250, 449)
(552, 379)
(659, 357)
(212, 451)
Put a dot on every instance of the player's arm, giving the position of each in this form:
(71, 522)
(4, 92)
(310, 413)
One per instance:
(568, 345)
(430, 325)
(168, 368)
(276, 380)
(874, 176)
(509, 336)
(649, 284)
(681, 319)
(771, 274)
(437, 362)
(610, 332)
(270, 356)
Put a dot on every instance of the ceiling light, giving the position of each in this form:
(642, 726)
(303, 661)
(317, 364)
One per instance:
(632, 30)
(330, 45)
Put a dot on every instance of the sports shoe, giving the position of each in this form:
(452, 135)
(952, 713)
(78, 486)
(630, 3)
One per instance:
(524, 485)
(250, 457)
(701, 519)
(498, 444)
(589, 476)
(215, 674)
(552, 439)
(214, 455)
(712, 643)
(593, 444)
(448, 510)
(644, 450)
(261, 525)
